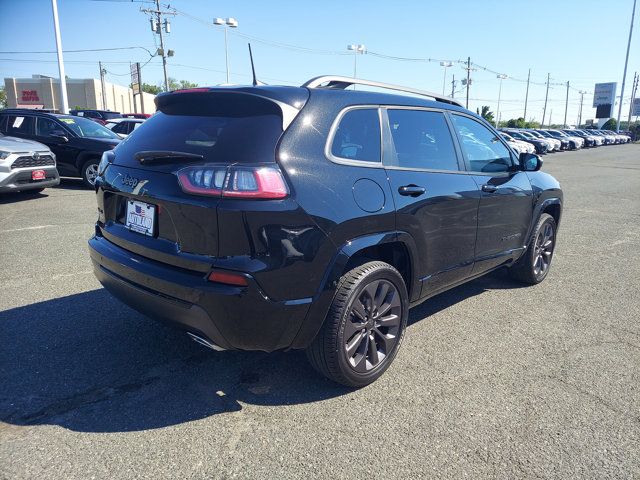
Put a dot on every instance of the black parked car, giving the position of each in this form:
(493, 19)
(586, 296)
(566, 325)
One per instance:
(314, 217)
(78, 143)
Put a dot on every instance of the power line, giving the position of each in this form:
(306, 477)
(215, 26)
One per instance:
(83, 50)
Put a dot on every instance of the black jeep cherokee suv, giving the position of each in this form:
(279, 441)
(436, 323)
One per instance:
(314, 217)
(78, 143)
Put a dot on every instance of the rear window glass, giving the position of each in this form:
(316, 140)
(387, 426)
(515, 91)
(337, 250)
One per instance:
(358, 136)
(237, 136)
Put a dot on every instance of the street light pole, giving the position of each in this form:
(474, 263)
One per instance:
(501, 76)
(226, 23)
(582, 92)
(357, 49)
(444, 80)
(626, 61)
(63, 80)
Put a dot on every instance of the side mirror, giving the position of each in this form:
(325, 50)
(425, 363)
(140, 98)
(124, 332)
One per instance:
(530, 162)
(59, 135)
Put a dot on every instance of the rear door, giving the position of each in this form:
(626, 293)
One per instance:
(436, 200)
(506, 204)
(45, 129)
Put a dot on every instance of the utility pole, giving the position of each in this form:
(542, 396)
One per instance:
(104, 92)
(140, 92)
(453, 86)
(468, 79)
(526, 96)
(63, 79)
(544, 111)
(634, 88)
(626, 61)
(550, 115)
(156, 27)
(566, 106)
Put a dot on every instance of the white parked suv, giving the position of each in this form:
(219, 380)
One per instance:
(26, 165)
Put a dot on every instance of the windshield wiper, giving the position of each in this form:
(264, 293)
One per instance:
(154, 156)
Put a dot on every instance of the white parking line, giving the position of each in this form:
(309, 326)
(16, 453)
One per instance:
(38, 227)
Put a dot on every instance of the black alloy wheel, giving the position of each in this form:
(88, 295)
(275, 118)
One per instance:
(365, 325)
(371, 331)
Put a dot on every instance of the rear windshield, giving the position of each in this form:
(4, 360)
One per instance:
(220, 135)
(110, 115)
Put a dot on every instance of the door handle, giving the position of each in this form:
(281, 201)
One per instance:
(411, 190)
(489, 188)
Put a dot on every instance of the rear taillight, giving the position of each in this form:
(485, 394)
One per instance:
(233, 181)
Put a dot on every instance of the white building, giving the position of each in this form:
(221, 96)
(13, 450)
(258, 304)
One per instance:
(44, 92)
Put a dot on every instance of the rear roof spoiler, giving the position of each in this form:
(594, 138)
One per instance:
(289, 112)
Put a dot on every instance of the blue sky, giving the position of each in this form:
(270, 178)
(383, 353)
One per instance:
(582, 41)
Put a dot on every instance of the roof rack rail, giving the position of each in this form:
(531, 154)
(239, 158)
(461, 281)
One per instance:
(341, 83)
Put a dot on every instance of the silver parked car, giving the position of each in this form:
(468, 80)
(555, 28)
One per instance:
(26, 165)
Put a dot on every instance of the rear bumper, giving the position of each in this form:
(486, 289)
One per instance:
(20, 179)
(231, 317)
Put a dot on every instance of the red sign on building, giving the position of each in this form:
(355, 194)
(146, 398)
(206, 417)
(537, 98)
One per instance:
(30, 96)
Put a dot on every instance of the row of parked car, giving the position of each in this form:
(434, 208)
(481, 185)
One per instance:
(38, 146)
(541, 141)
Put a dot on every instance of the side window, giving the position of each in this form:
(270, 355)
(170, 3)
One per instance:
(483, 150)
(44, 127)
(422, 140)
(358, 136)
(122, 127)
(3, 123)
(19, 124)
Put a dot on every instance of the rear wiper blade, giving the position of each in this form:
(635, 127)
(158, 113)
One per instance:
(152, 156)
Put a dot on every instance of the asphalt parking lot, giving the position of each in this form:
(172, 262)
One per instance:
(493, 380)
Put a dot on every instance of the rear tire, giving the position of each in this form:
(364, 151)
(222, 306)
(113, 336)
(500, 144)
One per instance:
(534, 265)
(89, 172)
(364, 328)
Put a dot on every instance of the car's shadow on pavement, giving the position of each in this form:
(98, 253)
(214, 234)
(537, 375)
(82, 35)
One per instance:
(14, 197)
(88, 363)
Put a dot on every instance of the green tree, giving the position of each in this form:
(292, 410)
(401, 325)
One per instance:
(611, 124)
(486, 114)
(182, 84)
(3, 98)
(516, 123)
(152, 89)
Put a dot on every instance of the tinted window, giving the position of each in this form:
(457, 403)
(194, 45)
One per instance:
(358, 136)
(250, 138)
(19, 124)
(122, 127)
(87, 128)
(422, 140)
(484, 152)
(44, 127)
(110, 115)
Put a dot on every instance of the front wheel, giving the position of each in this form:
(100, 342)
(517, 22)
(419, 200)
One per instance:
(90, 172)
(364, 327)
(535, 263)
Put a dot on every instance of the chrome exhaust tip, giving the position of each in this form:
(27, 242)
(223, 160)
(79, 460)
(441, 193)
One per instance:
(205, 342)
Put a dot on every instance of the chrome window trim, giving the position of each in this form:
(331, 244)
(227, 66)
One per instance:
(332, 132)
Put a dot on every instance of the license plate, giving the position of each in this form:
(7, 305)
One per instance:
(38, 175)
(140, 217)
